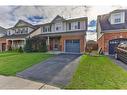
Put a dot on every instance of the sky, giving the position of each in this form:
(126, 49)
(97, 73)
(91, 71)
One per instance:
(9, 15)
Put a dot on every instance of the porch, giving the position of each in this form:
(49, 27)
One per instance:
(53, 43)
(15, 43)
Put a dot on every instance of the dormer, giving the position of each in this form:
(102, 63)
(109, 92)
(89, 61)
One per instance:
(117, 17)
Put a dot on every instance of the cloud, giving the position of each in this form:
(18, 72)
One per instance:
(9, 15)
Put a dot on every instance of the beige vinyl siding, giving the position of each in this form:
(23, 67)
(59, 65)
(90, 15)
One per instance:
(36, 32)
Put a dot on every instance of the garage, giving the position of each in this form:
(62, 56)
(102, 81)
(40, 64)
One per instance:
(114, 43)
(72, 46)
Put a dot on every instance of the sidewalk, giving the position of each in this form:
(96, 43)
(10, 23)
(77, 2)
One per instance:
(19, 83)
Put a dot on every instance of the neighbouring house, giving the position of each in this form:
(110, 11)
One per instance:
(2, 40)
(112, 30)
(66, 35)
(15, 37)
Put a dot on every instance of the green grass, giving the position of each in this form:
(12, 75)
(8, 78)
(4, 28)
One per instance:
(98, 73)
(12, 63)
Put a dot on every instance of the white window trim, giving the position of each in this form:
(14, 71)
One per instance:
(122, 16)
(59, 24)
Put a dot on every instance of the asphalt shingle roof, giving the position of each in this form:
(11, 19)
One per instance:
(105, 24)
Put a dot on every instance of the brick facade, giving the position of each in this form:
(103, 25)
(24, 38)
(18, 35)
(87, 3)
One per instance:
(2, 44)
(103, 41)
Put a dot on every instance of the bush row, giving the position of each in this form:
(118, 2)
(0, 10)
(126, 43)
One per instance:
(34, 44)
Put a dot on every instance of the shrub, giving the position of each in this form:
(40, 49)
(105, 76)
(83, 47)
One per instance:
(20, 50)
(43, 47)
(35, 44)
(10, 49)
(28, 46)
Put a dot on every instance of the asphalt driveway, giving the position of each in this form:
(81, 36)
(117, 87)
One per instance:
(55, 71)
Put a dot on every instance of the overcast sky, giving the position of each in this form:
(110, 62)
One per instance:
(9, 15)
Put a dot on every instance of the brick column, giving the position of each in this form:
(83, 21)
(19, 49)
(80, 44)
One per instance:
(1, 47)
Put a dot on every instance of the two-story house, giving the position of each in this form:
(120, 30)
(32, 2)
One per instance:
(16, 36)
(112, 30)
(66, 35)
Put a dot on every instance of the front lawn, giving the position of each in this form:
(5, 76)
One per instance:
(11, 63)
(98, 73)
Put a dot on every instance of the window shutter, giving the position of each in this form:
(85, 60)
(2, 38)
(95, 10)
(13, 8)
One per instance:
(69, 26)
(78, 25)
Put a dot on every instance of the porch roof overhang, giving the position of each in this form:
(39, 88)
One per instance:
(16, 36)
(64, 33)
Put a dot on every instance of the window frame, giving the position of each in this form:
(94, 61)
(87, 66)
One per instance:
(118, 18)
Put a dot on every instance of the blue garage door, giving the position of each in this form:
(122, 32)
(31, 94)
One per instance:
(114, 43)
(72, 46)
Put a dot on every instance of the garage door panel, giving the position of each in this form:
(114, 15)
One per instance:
(72, 46)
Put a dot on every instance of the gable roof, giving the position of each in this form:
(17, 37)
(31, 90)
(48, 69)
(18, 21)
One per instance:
(25, 24)
(58, 16)
(2, 30)
(63, 19)
(106, 25)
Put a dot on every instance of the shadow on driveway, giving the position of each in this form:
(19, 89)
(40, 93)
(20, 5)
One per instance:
(54, 71)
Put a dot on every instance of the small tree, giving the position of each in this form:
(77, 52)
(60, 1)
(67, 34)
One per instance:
(43, 47)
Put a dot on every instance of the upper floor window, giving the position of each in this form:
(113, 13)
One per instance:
(58, 26)
(74, 25)
(25, 30)
(9, 33)
(117, 18)
(46, 28)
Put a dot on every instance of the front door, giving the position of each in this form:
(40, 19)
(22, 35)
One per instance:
(56, 42)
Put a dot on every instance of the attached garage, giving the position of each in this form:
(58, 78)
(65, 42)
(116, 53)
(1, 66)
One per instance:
(114, 43)
(72, 46)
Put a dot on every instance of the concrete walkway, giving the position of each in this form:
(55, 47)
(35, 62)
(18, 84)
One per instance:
(55, 71)
(9, 82)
